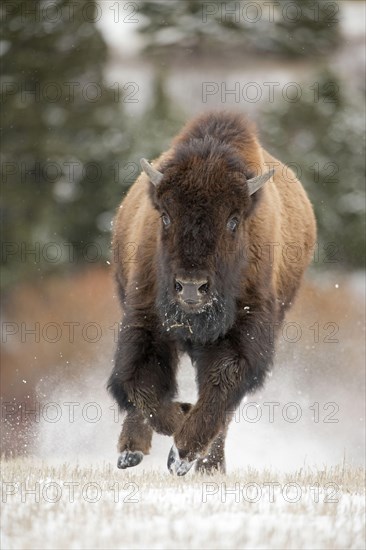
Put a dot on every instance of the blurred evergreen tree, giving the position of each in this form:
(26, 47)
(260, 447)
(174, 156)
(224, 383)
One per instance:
(191, 26)
(61, 127)
(153, 131)
(304, 28)
(297, 28)
(323, 135)
(70, 151)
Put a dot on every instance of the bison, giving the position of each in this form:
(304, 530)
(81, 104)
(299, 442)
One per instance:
(209, 246)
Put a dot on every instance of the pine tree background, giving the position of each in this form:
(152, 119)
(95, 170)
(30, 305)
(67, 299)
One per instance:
(301, 27)
(70, 151)
(58, 145)
(323, 135)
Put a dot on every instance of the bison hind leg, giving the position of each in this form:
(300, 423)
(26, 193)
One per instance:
(214, 461)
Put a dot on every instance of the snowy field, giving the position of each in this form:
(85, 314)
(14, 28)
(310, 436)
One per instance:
(76, 506)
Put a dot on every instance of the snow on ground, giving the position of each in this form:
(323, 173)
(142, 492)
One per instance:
(91, 506)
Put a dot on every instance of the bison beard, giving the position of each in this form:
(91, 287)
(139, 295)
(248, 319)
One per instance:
(212, 320)
(185, 213)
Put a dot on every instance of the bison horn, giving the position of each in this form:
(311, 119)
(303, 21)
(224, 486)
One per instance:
(154, 175)
(258, 181)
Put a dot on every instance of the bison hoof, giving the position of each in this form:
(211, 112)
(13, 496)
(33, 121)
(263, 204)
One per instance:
(177, 465)
(127, 459)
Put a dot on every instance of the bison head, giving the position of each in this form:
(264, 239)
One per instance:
(205, 195)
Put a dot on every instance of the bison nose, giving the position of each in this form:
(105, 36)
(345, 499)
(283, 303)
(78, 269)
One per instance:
(191, 292)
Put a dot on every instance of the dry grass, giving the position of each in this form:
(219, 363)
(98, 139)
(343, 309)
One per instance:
(322, 509)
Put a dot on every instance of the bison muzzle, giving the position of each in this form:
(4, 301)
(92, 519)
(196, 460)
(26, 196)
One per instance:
(200, 258)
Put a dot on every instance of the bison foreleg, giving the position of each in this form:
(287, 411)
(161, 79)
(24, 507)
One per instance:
(135, 439)
(214, 461)
(200, 428)
(211, 463)
(144, 380)
(226, 372)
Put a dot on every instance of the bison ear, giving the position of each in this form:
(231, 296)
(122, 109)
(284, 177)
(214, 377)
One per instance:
(258, 181)
(154, 175)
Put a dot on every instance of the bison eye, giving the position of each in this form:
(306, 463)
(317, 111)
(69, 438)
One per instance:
(165, 219)
(232, 224)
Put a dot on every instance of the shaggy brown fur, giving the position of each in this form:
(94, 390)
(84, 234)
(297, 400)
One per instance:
(252, 271)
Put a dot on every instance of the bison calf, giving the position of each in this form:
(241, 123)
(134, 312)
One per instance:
(209, 245)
